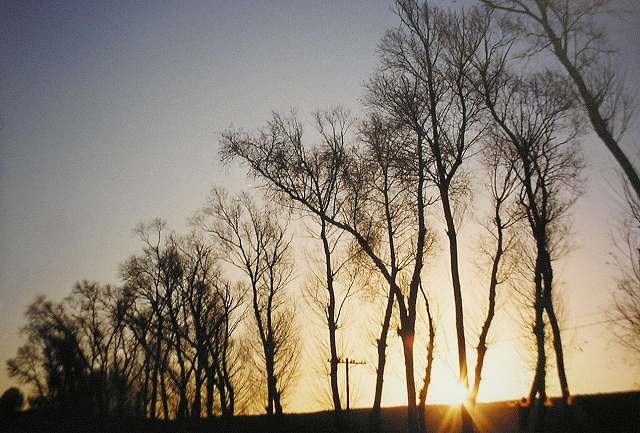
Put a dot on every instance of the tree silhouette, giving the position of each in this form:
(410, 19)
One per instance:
(258, 245)
(183, 315)
(570, 30)
(535, 127)
(503, 184)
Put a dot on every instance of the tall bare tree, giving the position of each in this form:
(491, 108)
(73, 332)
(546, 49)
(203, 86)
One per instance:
(151, 279)
(98, 310)
(211, 306)
(571, 31)
(378, 181)
(536, 127)
(80, 349)
(166, 336)
(327, 293)
(502, 184)
(182, 314)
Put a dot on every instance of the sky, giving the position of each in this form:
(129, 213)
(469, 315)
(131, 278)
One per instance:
(110, 114)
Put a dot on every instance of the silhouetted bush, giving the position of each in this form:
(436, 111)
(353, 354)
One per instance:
(10, 403)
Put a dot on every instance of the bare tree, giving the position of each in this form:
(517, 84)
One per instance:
(98, 311)
(536, 126)
(379, 183)
(210, 305)
(327, 295)
(313, 176)
(571, 31)
(156, 317)
(28, 368)
(151, 279)
(183, 315)
(503, 186)
(258, 245)
(324, 182)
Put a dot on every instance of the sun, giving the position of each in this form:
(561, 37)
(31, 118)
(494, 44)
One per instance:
(458, 394)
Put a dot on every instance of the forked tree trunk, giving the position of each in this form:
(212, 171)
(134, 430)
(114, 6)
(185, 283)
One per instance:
(273, 405)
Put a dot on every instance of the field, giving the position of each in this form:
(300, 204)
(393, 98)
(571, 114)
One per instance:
(593, 413)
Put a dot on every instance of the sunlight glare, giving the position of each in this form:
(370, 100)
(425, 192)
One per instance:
(459, 395)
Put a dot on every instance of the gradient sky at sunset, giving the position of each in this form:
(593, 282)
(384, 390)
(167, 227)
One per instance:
(109, 116)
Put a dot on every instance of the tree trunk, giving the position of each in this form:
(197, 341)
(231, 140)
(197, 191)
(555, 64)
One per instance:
(555, 327)
(196, 410)
(210, 396)
(331, 323)
(230, 392)
(482, 341)
(154, 390)
(231, 407)
(276, 400)
(222, 392)
(165, 397)
(424, 390)
(457, 289)
(382, 360)
(144, 400)
(407, 336)
(273, 403)
(467, 424)
(538, 393)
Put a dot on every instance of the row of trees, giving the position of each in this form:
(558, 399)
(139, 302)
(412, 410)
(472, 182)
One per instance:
(165, 343)
(450, 108)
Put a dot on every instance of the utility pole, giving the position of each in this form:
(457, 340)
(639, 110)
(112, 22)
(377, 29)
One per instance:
(346, 363)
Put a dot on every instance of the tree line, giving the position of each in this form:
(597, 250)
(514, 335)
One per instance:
(449, 109)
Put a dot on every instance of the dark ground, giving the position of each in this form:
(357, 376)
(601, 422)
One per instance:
(593, 413)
